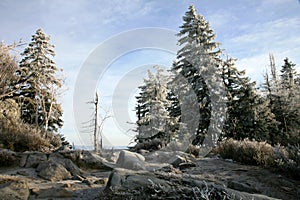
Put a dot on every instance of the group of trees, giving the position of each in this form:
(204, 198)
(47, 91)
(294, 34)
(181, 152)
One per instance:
(266, 113)
(31, 88)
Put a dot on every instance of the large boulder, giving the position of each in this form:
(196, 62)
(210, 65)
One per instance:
(33, 159)
(53, 171)
(131, 160)
(67, 163)
(12, 187)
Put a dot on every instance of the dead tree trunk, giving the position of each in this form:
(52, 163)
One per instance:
(96, 144)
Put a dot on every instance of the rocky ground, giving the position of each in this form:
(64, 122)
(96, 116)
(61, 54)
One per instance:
(83, 175)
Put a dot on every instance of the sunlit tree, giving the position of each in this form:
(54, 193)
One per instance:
(39, 84)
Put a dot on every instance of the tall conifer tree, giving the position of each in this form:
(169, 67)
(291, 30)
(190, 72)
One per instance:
(152, 108)
(39, 84)
(199, 52)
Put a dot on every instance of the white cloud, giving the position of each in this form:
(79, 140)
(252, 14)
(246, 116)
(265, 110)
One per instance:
(280, 37)
(220, 19)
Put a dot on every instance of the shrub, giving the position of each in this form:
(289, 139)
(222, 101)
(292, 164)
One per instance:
(18, 136)
(262, 153)
(288, 159)
(7, 158)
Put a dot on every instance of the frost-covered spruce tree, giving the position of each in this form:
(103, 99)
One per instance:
(152, 108)
(282, 92)
(39, 84)
(288, 76)
(240, 101)
(248, 115)
(198, 57)
(288, 105)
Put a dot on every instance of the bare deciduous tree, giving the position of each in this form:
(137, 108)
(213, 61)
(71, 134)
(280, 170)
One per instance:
(8, 67)
(96, 124)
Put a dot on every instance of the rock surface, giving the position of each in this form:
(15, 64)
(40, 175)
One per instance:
(156, 178)
(128, 184)
(131, 160)
(86, 160)
(53, 171)
(67, 163)
(33, 159)
(13, 188)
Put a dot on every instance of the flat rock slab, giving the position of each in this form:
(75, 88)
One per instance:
(129, 184)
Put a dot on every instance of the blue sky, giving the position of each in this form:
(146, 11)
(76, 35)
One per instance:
(249, 30)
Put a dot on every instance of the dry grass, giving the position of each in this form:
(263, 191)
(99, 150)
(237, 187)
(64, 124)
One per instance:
(18, 136)
(262, 153)
(22, 137)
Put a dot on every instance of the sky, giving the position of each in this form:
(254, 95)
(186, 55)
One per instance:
(108, 46)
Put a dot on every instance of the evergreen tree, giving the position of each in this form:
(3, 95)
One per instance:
(248, 114)
(288, 76)
(199, 53)
(39, 85)
(288, 104)
(152, 108)
(240, 102)
(282, 93)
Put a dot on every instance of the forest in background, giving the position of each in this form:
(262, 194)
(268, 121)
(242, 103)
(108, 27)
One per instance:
(261, 124)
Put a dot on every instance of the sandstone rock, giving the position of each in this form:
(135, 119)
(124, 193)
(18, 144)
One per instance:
(13, 188)
(130, 160)
(35, 158)
(53, 171)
